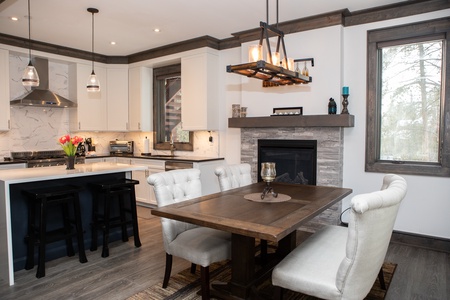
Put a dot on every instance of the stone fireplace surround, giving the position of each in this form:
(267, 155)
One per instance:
(330, 143)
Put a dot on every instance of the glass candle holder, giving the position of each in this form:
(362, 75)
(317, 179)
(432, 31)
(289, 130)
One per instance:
(254, 53)
(268, 171)
(275, 58)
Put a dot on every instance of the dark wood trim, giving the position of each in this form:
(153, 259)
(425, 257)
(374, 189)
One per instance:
(422, 241)
(293, 121)
(298, 25)
(403, 33)
(394, 11)
(200, 42)
(344, 17)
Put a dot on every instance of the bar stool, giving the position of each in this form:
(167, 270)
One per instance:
(40, 200)
(106, 193)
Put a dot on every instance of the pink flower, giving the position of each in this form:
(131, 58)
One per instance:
(69, 144)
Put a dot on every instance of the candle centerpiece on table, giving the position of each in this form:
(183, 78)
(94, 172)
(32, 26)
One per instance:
(345, 93)
(268, 173)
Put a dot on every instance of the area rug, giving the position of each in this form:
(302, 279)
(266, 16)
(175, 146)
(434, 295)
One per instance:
(184, 285)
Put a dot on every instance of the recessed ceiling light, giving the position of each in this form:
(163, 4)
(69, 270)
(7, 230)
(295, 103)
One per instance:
(113, 43)
(14, 18)
(156, 30)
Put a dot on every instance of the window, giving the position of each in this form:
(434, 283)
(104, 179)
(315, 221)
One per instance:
(408, 101)
(167, 110)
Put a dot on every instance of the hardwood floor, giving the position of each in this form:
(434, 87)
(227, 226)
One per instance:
(421, 273)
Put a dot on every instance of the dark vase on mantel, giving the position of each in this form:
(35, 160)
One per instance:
(70, 162)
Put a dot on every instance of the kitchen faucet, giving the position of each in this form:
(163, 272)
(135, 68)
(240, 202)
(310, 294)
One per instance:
(172, 145)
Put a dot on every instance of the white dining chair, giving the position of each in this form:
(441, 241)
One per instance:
(343, 263)
(199, 245)
(233, 176)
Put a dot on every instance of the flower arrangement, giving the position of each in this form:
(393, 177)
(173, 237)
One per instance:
(69, 144)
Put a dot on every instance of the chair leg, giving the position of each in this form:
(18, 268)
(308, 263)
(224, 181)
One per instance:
(204, 278)
(278, 293)
(381, 279)
(137, 241)
(193, 268)
(79, 227)
(168, 270)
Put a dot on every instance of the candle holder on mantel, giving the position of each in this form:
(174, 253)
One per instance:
(268, 173)
(344, 105)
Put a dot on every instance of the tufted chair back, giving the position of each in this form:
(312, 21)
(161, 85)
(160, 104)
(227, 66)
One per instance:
(370, 226)
(173, 187)
(233, 176)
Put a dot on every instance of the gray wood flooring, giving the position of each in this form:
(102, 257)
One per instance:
(421, 273)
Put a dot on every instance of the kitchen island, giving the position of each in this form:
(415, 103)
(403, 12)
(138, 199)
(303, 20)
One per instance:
(13, 206)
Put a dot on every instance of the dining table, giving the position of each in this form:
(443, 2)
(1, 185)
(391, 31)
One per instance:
(248, 218)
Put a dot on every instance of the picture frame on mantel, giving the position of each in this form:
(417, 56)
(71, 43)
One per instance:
(288, 111)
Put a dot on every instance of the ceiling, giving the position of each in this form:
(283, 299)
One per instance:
(67, 22)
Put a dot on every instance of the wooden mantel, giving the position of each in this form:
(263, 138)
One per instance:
(293, 121)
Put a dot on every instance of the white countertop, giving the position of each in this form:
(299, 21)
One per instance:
(60, 172)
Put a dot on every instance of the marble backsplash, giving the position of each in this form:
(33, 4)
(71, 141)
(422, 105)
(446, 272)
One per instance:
(38, 128)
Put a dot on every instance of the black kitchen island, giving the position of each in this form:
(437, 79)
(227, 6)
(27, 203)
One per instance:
(13, 206)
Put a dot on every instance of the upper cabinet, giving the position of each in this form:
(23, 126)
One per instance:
(106, 110)
(4, 90)
(91, 113)
(140, 91)
(199, 89)
(117, 98)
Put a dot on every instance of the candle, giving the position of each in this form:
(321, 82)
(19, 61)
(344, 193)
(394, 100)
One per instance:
(255, 53)
(345, 90)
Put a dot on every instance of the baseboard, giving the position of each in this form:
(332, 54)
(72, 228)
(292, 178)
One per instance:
(422, 241)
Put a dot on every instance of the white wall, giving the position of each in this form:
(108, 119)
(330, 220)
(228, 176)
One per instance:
(340, 59)
(426, 208)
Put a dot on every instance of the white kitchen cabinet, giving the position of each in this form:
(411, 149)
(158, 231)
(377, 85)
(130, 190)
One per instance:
(124, 160)
(140, 91)
(145, 195)
(91, 160)
(12, 166)
(117, 98)
(200, 91)
(91, 110)
(5, 121)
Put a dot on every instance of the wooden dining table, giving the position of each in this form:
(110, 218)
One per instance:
(248, 220)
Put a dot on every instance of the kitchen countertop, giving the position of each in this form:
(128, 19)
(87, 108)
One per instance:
(163, 157)
(58, 172)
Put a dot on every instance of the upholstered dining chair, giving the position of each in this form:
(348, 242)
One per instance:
(343, 263)
(199, 245)
(233, 176)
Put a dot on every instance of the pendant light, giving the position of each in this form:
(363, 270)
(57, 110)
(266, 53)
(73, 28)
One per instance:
(275, 71)
(93, 85)
(30, 76)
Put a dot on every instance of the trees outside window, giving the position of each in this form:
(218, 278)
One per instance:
(408, 99)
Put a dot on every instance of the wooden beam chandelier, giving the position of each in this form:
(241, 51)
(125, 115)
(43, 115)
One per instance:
(275, 71)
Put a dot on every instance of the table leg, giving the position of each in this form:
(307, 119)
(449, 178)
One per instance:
(242, 265)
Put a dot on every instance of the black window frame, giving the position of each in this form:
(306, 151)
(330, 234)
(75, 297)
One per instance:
(159, 142)
(398, 35)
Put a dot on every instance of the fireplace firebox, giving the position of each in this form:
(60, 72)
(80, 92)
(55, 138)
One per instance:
(296, 160)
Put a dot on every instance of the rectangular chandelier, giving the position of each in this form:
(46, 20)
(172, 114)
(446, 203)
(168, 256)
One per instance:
(274, 72)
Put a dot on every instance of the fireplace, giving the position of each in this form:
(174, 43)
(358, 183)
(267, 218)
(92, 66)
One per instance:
(296, 160)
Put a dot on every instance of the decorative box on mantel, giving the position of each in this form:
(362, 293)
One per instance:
(344, 120)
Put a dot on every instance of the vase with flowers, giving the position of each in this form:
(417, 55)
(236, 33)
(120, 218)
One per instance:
(70, 146)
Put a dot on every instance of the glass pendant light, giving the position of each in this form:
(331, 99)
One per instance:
(93, 85)
(30, 76)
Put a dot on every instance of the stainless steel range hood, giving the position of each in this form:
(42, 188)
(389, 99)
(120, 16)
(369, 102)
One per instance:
(41, 95)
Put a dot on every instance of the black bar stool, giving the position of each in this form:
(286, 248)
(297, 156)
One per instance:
(102, 220)
(40, 201)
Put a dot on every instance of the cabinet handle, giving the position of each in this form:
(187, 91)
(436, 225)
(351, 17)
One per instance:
(79, 125)
(147, 173)
(9, 124)
(139, 125)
